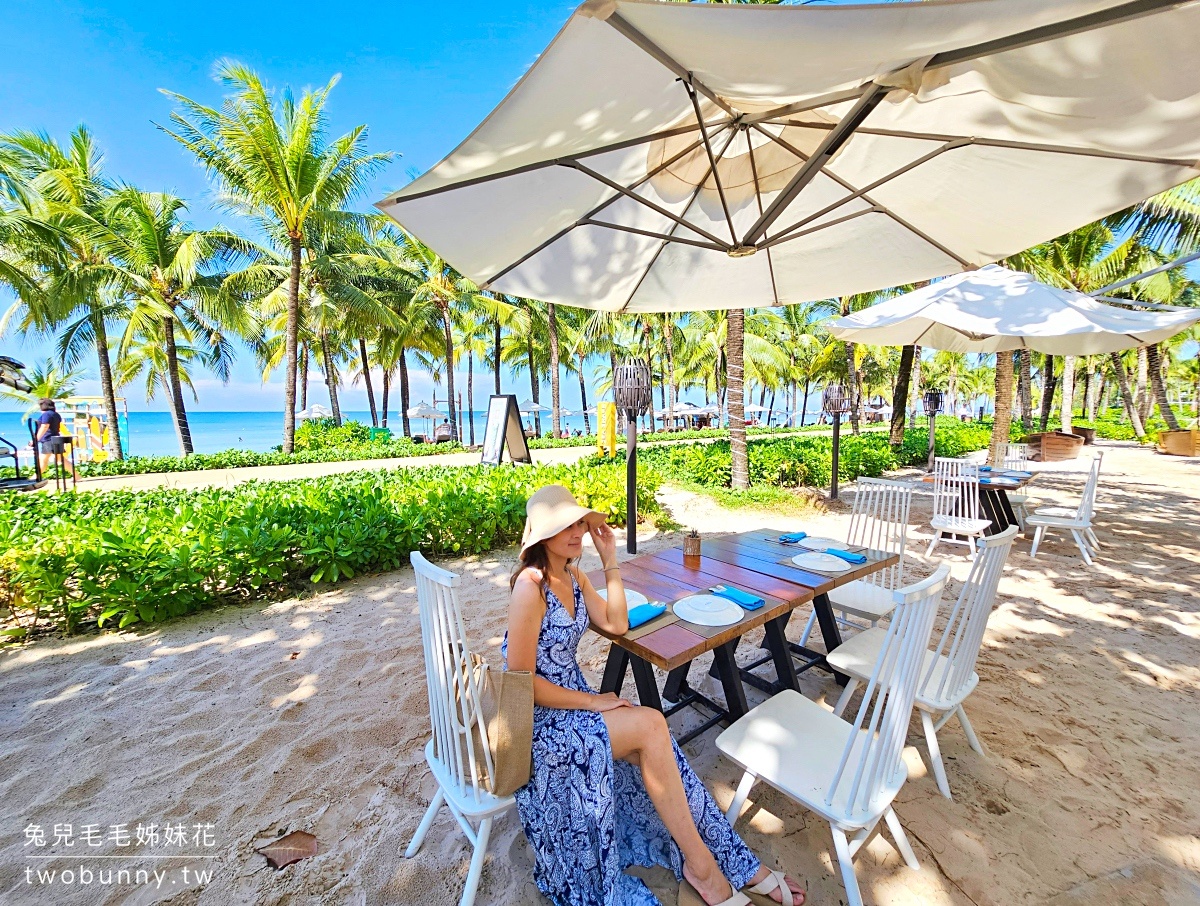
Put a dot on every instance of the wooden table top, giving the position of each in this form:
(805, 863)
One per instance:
(749, 561)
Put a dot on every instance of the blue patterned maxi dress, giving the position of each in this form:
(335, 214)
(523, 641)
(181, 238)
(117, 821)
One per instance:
(587, 816)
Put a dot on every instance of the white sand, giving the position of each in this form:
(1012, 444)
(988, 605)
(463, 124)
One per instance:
(310, 714)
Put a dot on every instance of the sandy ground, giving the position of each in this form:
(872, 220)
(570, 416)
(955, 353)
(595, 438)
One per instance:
(310, 714)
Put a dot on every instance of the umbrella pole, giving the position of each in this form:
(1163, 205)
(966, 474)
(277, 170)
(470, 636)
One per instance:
(932, 433)
(631, 481)
(833, 479)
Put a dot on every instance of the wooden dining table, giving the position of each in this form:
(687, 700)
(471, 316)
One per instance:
(994, 504)
(754, 562)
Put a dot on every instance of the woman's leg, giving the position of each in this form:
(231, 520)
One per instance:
(640, 736)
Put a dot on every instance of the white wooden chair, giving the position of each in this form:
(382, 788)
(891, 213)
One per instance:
(848, 773)
(948, 674)
(1016, 456)
(879, 521)
(955, 504)
(1077, 520)
(454, 709)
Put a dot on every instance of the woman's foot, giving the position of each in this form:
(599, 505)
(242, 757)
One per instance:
(798, 894)
(712, 886)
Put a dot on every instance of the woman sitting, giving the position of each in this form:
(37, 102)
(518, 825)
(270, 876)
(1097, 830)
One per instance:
(609, 786)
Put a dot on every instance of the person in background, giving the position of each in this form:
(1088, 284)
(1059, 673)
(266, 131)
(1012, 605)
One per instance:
(49, 423)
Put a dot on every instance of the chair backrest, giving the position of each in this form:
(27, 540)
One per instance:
(451, 679)
(945, 679)
(879, 522)
(1087, 502)
(955, 488)
(1016, 456)
(871, 760)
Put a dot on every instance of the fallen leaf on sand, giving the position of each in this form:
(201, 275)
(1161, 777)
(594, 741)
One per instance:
(292, 848)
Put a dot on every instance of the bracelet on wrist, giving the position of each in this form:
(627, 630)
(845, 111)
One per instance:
(609, 569)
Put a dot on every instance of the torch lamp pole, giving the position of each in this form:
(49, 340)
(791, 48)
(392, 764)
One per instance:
(833, 479)
(933, 404)
(631, 391)
(631, 480)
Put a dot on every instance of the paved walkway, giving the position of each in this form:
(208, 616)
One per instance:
(209, 478)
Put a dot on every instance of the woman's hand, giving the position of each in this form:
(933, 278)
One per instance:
(606, 543)
(607, 701)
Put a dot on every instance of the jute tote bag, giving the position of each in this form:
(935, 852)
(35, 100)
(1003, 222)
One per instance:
(506, 705)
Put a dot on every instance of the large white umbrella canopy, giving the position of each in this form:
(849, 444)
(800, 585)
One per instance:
(677, 156)
(424, 410)
(313, 412)
(529, 407)
(995, 309)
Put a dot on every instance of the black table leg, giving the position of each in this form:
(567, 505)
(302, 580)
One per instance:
(781, 654)
(731, 681)
(676, 685)
(1010, 517)
(614, 669)
(647, 688)
(829, 630)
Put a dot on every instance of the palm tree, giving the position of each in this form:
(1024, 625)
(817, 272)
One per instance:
(65, 283)
(171, 275)
(146, 357)
(273, 163)
(47, 380)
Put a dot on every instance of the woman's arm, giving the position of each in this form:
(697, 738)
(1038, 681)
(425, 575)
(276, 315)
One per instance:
(525, 611)
(611, 615)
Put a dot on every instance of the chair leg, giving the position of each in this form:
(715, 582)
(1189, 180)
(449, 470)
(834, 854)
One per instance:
(901, 838)
(423, 828)
(935, 754)
(841, 846)
(1037, 539)
(739, 797)
(844, 698)
(477, 857)
(969, 731)
(1082, 545)
(933, 544)
(808, 627)
(1091, 536)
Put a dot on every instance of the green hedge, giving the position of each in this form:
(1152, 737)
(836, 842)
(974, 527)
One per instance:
(123, 557)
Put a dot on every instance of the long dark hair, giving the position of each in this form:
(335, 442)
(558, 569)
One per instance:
(534, 557)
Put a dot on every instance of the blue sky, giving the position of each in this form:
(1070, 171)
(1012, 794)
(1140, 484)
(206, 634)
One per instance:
(420, 75)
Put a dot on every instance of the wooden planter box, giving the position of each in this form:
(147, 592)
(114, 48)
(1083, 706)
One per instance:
(1179, 443)
(1088, 434)
(1053, 446)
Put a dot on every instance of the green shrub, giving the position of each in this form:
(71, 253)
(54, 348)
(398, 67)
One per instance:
(323, 434)
(124, 557)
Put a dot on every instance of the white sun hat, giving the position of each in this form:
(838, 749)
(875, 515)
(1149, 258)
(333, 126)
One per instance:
(550, 510)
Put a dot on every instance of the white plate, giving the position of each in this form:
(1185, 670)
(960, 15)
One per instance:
(825, 562)
(708, 610)
(819, 544)
(632, 598)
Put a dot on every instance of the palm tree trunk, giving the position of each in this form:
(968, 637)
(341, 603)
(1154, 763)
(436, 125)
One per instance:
(1089, 389)
(1003, 419)
(804, 405)
(471, 394)
(1142, 397)
(1126, 395)
(735, 338)
(304, 376)
(291, 332)
(106, 386)
(916, 389)
(673, 396)
(587, 425)
(1048, 381)
(405, 405)
(1068, 392)
(386, 381)
(552, 323)
(1025, 382)
(852, 381)
(366, 366)
(449, 338)
(1154, 358)
(331, 378)
(533, 383)
(900, 395)
(182, 429)
(496, 354)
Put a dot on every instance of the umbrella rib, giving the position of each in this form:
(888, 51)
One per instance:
(631, 33)
(824, 226)
(838, 136)
(592, 213)
(663, 236)
(758, 197)
(629, 193)
(400, 198)
(654, 257)
(825, 100)
(867, 198)
(687, 86)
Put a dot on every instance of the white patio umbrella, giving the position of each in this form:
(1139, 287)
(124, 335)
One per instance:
(314, 412)
(681, 156)
(995, 309)
(424, 410)
(529, 407)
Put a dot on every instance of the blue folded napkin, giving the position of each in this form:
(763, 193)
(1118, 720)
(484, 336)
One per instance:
(846, 555)
(644, 613)
(743, 599)
(793, 537)
(985, 468)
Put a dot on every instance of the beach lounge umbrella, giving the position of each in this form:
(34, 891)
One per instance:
(529, 407)
(314, 412)
(681, 156)
(424, 410)
(995, 309)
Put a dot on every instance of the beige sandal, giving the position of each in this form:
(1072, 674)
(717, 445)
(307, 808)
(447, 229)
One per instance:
(690, 896)
(760, 893)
